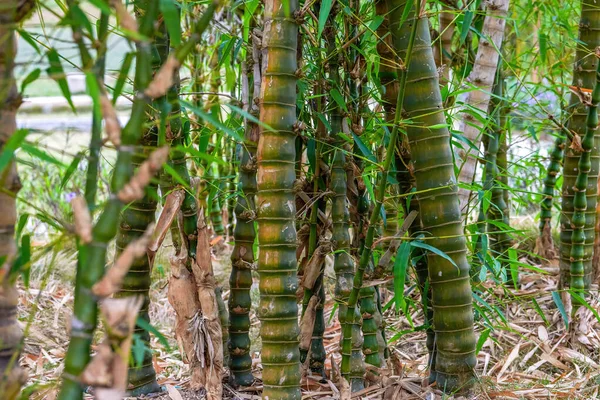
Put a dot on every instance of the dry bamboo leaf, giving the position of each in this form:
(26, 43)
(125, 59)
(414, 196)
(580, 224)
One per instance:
(126, 21)
(167, 216)
(134, 189)
(511, 357)
(163, 79)
(345, 392)
(308, 323)
(120, 315)
(111, 121)
(113, 279)
(315, 265)
(83, 219)
(576, 144)
(542, 333)
(173, 392)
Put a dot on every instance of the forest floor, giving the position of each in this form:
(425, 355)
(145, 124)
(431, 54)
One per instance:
(526, 351)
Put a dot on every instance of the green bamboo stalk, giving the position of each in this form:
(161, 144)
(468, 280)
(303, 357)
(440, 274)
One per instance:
(583, 77)
(438, 199)
(12, 377)
(343, 263)
(242, 256)
(583, 181)
(406, 181)
(92, 256)
(498, 210)
(277, 265)
(554, 167)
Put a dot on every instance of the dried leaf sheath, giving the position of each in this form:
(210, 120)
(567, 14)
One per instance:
(276, 209)
(583, 77)
(438, 201)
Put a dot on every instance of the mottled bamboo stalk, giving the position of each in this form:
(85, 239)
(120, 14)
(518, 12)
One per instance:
(583, 78)
(276, 154)
(438, 201)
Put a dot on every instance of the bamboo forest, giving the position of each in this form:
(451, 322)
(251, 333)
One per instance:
(299, 199)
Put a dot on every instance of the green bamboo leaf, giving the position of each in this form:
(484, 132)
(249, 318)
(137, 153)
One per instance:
(30, 78)
(123, 73)
(57, 73)
(30, 40)
(204, 156)
(225, 48)
(543, 43)
(211, 120)
(514, 264)
(581, 300)
(171, 16)
(434, 250)
(40, 154)
(400, 266)
(70, 170)
(249, 117)
(169, 170)
(366, 152)
(338, 98)
(482, 338)
(561, 307)
(324, 11)
(145, 325)
(12, 144)
(538, 309)
(21, 224)
(102, 5)
(80, 19)
(466, 25)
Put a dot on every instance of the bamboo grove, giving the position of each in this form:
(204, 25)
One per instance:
(351, 160)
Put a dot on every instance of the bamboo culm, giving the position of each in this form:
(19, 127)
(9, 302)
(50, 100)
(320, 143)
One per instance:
(276, 154)
(582, 182)
(437, 193)
(244, 233)
(93, 255)
(583, 77)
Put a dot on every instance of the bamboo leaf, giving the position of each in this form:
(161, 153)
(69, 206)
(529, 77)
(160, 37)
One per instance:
(171, 16)
(30, 40)
(30, 78)
(337, 97)
(145, 325)
(366, 152)
(434, 250)
(211, 120)
(102, 5)
(466, 25)
(400, 266)
(482, 338)
(12, 144)
(561, 307)
(123, 73)
(70, 170)
(324, 11)
(57, 73)
(40, 154)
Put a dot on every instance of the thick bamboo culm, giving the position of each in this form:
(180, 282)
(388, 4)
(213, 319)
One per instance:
(584, 72)
(276, 154)
(438, 202)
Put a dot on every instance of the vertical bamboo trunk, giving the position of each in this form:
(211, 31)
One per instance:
(242, 256)
(477, 101)
(406, 182)
(439, 206)
(133, 223)
(446, 19)
(276, 154)
(584, 78)
(580, 278)
(92, 256)
(545, 243)
(498, 210)
(12, 377)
